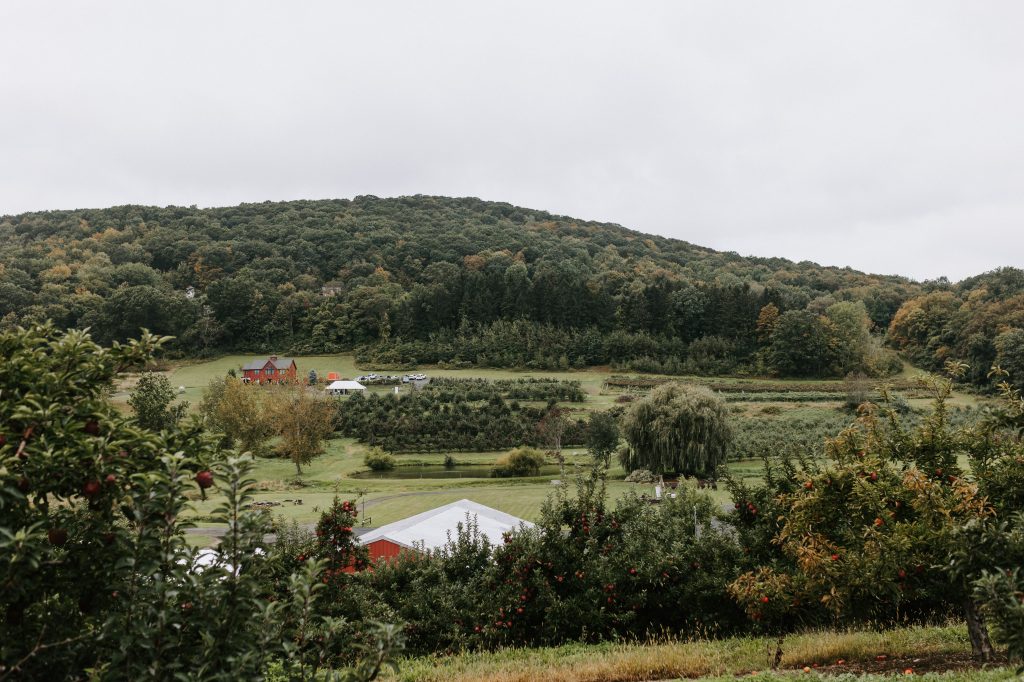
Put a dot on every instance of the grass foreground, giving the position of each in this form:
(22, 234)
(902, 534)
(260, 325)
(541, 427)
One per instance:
(940, 653)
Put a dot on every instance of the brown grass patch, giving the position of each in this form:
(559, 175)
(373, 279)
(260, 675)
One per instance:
(919, 648)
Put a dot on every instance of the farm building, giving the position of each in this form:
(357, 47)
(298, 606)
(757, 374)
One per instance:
(342, 387)
(431, 529)
(264, 370)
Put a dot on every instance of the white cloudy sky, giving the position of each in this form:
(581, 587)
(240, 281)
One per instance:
(888, 136)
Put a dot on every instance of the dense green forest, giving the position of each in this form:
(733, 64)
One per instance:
(463, 281)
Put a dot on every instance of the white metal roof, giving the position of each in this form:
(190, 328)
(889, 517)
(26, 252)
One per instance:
(430, 529)
(345, 386)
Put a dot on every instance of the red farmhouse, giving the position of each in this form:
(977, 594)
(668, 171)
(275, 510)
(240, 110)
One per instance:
(265, 370)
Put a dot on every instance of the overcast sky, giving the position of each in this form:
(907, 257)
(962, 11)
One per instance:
(888, 136)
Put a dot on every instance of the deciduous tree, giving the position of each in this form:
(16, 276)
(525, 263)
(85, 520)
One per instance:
(241, 412)
(677, 428)
(603, 437)
(302, 419)
(152, 402)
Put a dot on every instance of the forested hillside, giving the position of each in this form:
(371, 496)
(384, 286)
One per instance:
(434, 279)
(980, 321)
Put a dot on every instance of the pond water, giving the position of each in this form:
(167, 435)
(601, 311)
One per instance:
(440, 471)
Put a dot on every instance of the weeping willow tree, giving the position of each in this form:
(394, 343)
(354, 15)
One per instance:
(677, 428)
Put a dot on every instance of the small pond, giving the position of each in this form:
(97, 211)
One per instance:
(457, 471)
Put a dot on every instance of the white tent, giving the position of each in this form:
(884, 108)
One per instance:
(430, 530)
(344, 387)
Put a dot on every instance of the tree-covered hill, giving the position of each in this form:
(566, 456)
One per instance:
(435, 279)
(980, 321)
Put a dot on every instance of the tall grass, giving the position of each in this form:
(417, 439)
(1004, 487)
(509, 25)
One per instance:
(610, 662)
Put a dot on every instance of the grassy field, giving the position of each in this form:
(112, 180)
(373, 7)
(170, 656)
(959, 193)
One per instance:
(939, 653)
(194, 376)
(387, 500)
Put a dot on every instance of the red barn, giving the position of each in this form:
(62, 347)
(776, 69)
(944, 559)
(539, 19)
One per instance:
(432, 529)
(265, 370)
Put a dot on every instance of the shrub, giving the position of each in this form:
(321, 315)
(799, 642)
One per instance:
(641, 476)
(378, 460)
(522, 461)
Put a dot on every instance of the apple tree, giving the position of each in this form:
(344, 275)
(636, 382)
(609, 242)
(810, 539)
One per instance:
(868, 536)
(96, 575)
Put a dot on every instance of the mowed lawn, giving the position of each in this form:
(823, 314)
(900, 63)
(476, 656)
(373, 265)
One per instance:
(388, 500)
(381, 508)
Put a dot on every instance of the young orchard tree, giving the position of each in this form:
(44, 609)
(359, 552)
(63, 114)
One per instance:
(677, 428)
(151, 401)
(303, 420)
(551, 428)
(335, 544)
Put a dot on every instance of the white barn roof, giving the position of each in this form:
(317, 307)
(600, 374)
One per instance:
(430, 529)
(345, 386)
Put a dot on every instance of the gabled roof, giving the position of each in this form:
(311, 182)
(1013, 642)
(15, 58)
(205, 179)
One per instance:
(430, 529)
(342, 385)
(260, 363)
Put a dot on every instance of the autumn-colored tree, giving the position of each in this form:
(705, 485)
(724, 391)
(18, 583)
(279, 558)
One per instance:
(867, 535)
(302, 419)
(766, 321)
(241, 412)
(920, 327)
